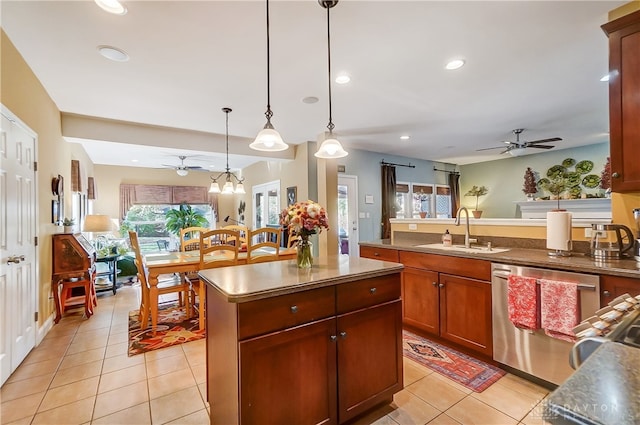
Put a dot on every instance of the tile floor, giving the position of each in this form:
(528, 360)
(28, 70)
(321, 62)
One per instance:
(81, 374)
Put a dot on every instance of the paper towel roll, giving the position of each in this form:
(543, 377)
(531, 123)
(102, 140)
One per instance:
(559, 230)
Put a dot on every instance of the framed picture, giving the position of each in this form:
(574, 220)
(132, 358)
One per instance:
(292, 195)
(55, 211)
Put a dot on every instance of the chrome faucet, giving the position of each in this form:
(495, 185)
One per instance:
(467, 241)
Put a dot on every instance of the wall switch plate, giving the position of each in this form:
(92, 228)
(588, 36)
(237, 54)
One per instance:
(413, 226)
(587, 232)
(362, 215)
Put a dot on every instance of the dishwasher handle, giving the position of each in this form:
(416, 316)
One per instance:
(502, 274)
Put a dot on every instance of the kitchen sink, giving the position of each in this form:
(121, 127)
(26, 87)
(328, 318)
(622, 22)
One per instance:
(473, 249)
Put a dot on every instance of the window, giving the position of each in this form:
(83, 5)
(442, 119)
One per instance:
(422, 200)
(403, 201)
(266, 204)
(443, 201)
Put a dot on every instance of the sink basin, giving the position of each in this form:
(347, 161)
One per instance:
(473, 249)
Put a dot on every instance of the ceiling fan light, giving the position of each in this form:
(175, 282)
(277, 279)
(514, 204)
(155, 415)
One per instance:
(517, 152)
(182, 172)
(112, 6)
(268, 140)
(331, 148)
(214, 188)
(240, 189)
(227, 188)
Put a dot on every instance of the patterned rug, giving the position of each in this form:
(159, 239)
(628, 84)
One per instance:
(465, 370)
(173, 328)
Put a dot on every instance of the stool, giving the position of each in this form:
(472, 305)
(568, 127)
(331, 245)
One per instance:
(62, 293)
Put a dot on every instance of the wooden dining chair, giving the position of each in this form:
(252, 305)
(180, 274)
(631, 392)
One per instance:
(242, 233)
(222, 253)
(293, 238)
(167, 286)
(263, 245)
(190, 238)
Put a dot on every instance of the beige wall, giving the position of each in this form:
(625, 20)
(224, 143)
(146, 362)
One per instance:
(24, 95)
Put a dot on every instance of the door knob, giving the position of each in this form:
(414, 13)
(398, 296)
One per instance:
(441, 285)
(15, 259)
(615, 175)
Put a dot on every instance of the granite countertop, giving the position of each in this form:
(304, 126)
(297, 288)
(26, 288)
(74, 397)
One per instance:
(264, 280)
(604, 390)
(577, 262)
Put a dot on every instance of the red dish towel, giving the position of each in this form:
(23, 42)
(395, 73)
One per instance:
(560, 309)
(522, 300)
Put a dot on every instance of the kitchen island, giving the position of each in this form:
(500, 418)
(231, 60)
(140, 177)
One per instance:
(289, 345)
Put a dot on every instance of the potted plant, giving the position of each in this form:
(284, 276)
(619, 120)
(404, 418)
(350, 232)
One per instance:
(556, 186)
(184, 217)
(529, 188)
(68, 224)
(477, 192)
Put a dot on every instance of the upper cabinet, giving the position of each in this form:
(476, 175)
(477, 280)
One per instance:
(624, 101)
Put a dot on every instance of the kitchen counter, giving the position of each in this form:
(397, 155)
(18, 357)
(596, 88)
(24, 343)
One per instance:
(604, 390)
(245, 283)
(577, 262)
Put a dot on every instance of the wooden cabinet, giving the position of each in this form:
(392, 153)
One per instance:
(449, 297)
(323, 355)
(614, 286)
(384, 254)
(624, 104)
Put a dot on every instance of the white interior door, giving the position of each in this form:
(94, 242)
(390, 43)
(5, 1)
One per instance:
(348, 215)
(18, 282)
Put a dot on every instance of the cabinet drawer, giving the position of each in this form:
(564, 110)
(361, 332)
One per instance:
(467, 267)
(272, 314)
(379, 253)
(365, 293)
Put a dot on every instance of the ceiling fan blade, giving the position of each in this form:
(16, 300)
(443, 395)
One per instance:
(486, 149)
(553, 139)
(193, 167)
(540, 146)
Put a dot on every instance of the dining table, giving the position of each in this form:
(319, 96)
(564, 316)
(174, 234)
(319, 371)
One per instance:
(160, 263)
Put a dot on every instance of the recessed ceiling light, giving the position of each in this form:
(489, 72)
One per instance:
(405, 137)
(310, 99)
(343, 79)
(455, 64)
(113, 53)
(605, 78)
(134, 160)
(112, 6)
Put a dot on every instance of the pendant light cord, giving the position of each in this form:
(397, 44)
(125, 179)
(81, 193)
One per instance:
(226, 111)
(268, 114)
(330, 126)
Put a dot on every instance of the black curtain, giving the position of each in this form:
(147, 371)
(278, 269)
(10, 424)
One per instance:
(388, 198)
(454, 185)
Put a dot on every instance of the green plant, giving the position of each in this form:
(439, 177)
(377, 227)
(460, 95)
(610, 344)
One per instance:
(184, 217)
(68, 221)
(477, 192)
(556, 186)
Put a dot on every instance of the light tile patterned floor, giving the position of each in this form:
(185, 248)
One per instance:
(81, 374)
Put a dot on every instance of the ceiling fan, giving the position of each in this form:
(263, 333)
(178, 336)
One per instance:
(517, 148)
(182, 169)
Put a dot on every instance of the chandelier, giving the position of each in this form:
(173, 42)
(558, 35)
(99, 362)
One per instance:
(228, 183)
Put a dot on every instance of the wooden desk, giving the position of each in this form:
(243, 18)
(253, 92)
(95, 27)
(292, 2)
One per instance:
(184, 262)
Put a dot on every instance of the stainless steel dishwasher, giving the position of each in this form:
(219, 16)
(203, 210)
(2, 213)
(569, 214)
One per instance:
(533, 352)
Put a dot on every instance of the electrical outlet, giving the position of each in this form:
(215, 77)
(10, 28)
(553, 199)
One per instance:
(587, 232)
(413, 226)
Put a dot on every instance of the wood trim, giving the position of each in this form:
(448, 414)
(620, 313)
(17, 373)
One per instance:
(621, 22)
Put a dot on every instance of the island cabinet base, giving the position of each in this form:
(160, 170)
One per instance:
(320, 356)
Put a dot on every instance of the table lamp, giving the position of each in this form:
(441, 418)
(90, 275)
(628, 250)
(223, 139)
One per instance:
(98, 223)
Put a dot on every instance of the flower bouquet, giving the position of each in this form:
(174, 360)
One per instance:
(304, 219)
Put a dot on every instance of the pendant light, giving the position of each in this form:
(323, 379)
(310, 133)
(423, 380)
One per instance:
(268, 139)
(228, 185)
(331, 147)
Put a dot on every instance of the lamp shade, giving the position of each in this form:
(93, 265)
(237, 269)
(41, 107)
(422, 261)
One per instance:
(240, 188)
(214, 188)
(98, 223)
(182, 172)
(331, 148)
(268, 140)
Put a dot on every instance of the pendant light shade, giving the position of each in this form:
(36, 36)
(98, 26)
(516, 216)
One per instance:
(331, 147)
(268, 139)
(229, 176)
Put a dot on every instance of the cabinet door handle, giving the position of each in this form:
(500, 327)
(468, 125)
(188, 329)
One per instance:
(373, 290)
(343, 334)
(441, 285)
(606, 293)
(333, 338)
(294, 308)
(615, 175)
(376, 254)
(434, 283)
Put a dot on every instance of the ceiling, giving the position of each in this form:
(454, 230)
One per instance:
(529, 64)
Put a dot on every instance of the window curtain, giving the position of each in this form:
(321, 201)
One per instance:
(454, 186)
(132, 194)
(76, 179)
(388, 198)
(127, 199)
(213, 201)
(91, 188)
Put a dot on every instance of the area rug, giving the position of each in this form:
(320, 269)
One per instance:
(461, 368)
(173, 328)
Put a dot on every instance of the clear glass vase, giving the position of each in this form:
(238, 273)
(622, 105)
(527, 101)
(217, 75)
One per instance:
(305, 256)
